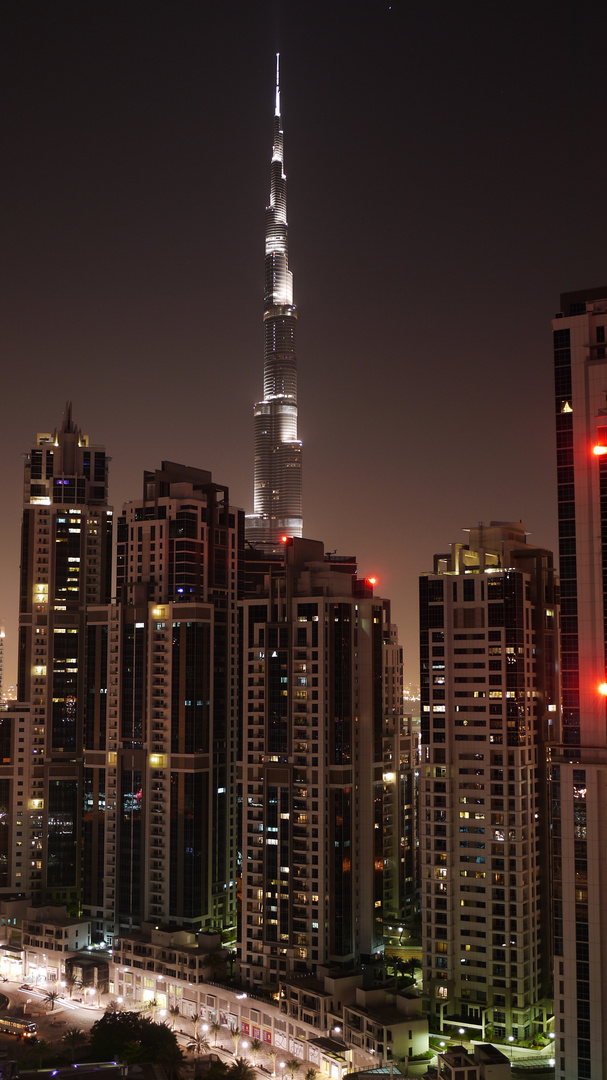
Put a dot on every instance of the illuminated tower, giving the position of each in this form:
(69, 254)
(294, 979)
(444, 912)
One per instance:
(66, 543)
(318, 731)
(159, 835)
(489, 696)
(579, 765)
(277, 496)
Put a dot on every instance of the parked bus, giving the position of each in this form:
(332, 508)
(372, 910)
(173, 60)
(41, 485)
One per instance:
(15, 1025)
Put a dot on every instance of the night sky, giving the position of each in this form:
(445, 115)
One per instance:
(446, 168)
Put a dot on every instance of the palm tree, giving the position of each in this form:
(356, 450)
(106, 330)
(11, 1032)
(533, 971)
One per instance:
(73, 1039)
(149, 1006)
(197, 1021)
(217, 1070)
(72, 982)
(174, 1013)
(242, 1070)
(407, 967)
(40, 1050)
(199, 1044)
(256, 1046)
(273, 1054)
(236, 1034)
(216, 1029)
(51, 997)
(311, 1073)
(292, 1065)
(215, 962)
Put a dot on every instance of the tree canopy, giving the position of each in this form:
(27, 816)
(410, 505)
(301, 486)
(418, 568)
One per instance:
(135, 1039)
(241, 1069)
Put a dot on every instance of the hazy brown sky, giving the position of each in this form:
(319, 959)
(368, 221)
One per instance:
(446, 181)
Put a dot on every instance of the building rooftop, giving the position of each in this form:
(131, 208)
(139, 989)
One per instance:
(488, 1054)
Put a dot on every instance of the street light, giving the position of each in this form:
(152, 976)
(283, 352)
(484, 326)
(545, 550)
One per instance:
(511, 1040)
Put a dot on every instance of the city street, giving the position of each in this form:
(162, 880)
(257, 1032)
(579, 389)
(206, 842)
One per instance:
(52, 1024)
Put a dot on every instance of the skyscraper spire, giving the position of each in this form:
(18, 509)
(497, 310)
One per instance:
(277, 480)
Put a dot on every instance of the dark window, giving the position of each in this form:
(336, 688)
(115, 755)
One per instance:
(469, 589)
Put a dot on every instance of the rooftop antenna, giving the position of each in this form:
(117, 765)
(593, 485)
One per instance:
(277, 107)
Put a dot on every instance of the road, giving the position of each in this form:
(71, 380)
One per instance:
(67, 1014)
(52, 1023)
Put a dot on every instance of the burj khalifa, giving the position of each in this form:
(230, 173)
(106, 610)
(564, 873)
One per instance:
(277, 476)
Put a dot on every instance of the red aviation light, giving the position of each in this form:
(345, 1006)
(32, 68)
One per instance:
(284, 539)
(600, 447)
(372, 580)
(603, 689)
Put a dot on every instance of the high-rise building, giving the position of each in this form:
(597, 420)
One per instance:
(401, 786)
(579, 763)
(277, 475)
(66, 543)
(489, 699)
(20, 760)
(160, 743)
(317, 716)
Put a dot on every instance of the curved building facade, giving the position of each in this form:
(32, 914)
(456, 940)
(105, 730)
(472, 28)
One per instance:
(277, 476)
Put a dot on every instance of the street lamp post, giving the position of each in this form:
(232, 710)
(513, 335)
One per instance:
(511, 1040)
